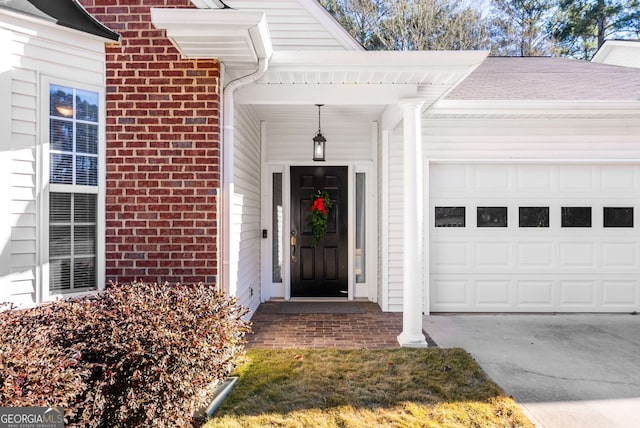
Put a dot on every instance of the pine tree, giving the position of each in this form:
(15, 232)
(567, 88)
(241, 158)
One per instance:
(519, 27)
(580, 27)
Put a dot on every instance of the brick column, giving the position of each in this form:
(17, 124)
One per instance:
(162, 155)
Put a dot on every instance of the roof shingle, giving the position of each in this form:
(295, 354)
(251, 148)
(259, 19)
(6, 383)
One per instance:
(546, 78)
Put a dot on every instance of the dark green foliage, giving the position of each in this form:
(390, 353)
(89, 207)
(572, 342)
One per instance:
(132, 355)
(319, 215)
(581, 26)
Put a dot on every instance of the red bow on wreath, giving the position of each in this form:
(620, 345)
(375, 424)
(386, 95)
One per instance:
(318, 205)
(319, 215)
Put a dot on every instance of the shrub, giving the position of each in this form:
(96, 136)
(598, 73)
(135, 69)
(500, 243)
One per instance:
(132, 355)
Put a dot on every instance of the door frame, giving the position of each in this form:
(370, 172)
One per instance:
(328, 259)
(367, 290)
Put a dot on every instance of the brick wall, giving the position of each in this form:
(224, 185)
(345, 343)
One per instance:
(163, 153)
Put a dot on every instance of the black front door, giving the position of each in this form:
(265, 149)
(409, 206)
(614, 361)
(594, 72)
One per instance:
(320, 270)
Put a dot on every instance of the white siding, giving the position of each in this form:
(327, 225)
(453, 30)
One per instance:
(5, 162)
(347, 141)
(396, 234)
(30, 51)
(291, 26)
(246, 206)
(519, 138)
(381, 204)
(532, 138)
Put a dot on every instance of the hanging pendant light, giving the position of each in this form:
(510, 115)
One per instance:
(318, 141)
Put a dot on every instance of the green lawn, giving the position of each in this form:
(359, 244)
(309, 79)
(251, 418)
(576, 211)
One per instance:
(354, 388)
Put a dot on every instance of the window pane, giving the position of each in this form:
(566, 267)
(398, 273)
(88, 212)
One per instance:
(618, 217)
(59, 207)
(61, 169)
(87, 138)
(60, 101)
(61, 135)
(84, 240)
(84, 273)
(59, 241)
(72, 241)
(361, 206)
(576, 216)
(534, 216)
(492, 216)
(78, 164)
(60, 275)
(87, 171)
(450, 217)
(277, 222)
(84, 208)
(87, 105)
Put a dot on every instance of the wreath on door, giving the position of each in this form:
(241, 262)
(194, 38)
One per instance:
(319, 215)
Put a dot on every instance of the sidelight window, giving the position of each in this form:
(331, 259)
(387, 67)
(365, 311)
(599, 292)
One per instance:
(361, 213)
(277, 225)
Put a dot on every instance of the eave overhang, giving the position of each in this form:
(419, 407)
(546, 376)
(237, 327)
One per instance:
(238, 38)
(235, 37)
(619, 52)
(367, 78)
(65, 13)
(362, 77)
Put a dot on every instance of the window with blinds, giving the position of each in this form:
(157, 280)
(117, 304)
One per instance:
(73, 178)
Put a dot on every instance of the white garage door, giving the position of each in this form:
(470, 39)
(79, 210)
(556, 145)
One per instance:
(534, 238)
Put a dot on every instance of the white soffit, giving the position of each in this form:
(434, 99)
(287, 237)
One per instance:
(235, 37)
(619, 52)
(364, 77)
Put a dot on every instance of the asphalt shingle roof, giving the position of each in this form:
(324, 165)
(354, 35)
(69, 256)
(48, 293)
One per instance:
(546, 78)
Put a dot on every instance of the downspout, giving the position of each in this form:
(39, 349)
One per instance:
(230, 261)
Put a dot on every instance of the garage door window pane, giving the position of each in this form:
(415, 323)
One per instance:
(492, 216)
(618, 217)
(534, 216)
(450, 217)
(576, 216)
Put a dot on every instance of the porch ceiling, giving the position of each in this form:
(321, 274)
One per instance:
(359, 78)
(365, 84)
(359, 85)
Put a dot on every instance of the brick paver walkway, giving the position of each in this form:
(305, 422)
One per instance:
(371, 328)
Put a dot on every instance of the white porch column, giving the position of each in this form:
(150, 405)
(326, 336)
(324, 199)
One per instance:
(411, 335)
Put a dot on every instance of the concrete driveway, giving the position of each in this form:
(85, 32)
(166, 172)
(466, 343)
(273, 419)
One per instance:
(564, 370)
